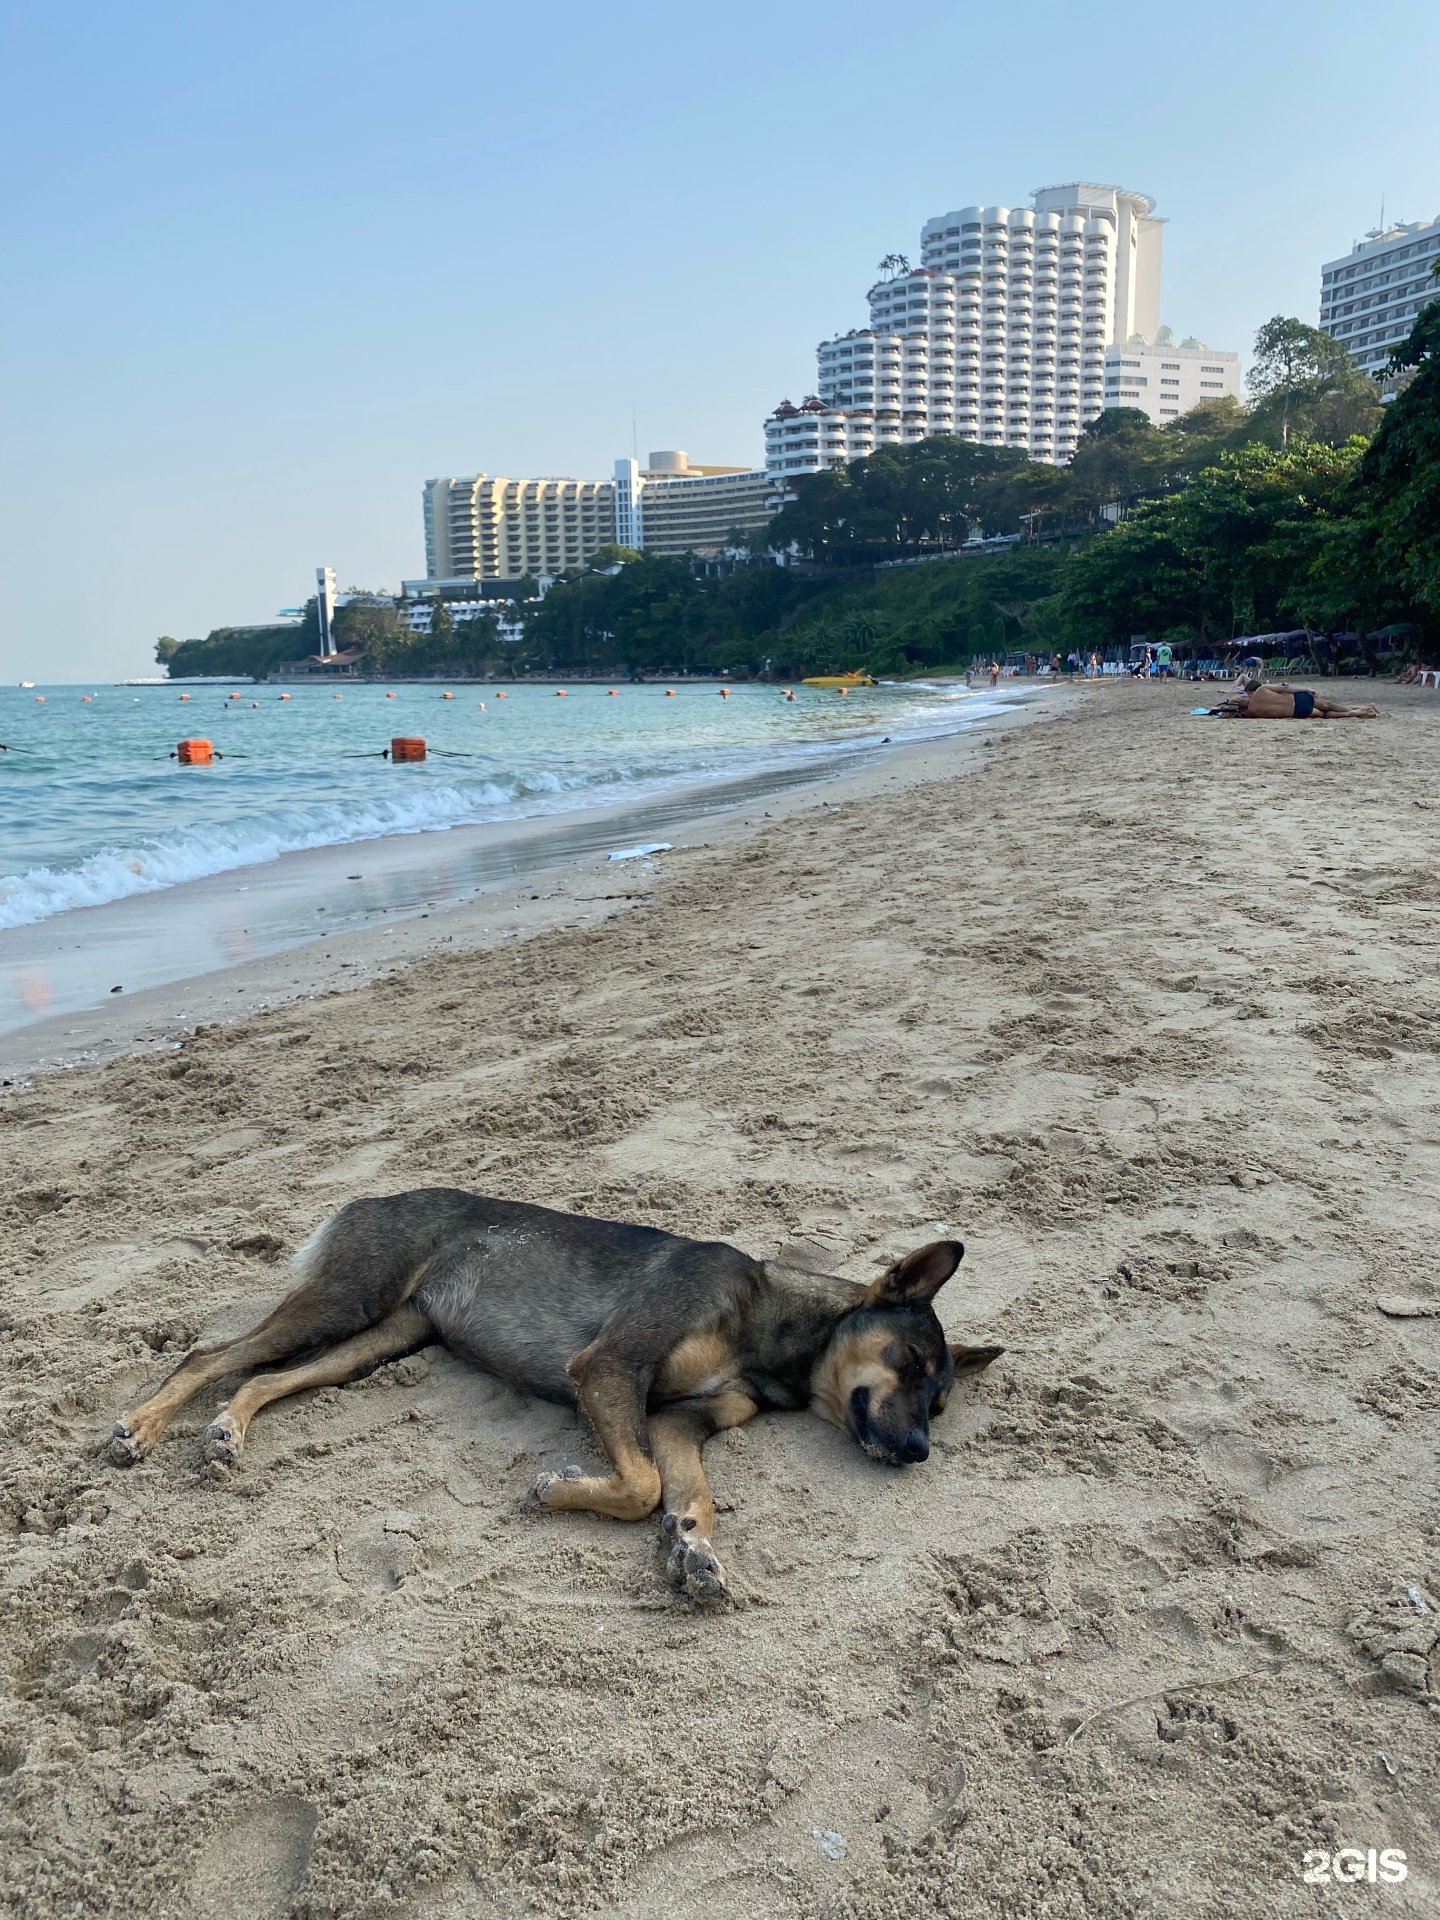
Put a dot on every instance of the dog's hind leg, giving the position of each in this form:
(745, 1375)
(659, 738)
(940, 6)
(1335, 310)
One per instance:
(677, 1434)
(402, 1332)
(137, 1431)
(352, 1274)
(612, 1398)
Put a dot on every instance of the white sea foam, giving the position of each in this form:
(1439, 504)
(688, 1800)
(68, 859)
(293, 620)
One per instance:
(165, 860)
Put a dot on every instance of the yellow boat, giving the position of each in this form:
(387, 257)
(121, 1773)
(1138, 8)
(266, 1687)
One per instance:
(839, 680)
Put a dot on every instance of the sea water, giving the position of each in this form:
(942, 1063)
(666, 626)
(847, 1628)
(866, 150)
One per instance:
(95, 808)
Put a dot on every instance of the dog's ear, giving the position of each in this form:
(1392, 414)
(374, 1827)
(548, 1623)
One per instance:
(973, 1359)
(917, 1278)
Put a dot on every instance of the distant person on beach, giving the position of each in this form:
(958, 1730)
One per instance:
(1164, 659)
(1259, 702)
(994, 674)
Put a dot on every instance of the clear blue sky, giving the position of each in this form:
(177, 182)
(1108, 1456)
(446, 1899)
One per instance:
(267, 266)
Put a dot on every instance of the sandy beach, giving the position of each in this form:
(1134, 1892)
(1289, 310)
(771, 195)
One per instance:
(1140, 1006)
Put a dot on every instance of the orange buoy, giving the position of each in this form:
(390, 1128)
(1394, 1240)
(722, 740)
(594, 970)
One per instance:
(724, 693)
(669, 693)
(389, 696)
(337, 696)
(284, 696)
(614, 693)
(842, 689)
(407, 747)
(234, 696)
(195, 753)
(86, 698)
(39, 699)
(559, 693)
(184, 696)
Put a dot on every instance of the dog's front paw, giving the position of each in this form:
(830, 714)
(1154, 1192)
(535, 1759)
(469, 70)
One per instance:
(694, 1568)
(223, 1441)
(125, 1447)
(539, 1493)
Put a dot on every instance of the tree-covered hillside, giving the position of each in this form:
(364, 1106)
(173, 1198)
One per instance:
(1227, 521)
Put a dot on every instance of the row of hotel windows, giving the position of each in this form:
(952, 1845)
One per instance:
(1376, 301)
(998, 284)
(919, 349)
(1387, 320)
(1040, 429)
(1371, 268)
(1414, 275)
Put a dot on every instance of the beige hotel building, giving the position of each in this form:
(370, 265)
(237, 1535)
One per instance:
(487, 528)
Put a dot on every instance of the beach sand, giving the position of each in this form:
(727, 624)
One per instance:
(1141, 1007)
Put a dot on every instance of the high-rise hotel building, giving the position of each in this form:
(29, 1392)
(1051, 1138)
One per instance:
(999, 335)
(1369, 298)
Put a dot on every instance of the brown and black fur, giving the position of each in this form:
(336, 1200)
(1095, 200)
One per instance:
(660, 1341)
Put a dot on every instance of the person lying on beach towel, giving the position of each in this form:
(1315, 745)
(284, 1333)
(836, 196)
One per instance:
(1259, 702)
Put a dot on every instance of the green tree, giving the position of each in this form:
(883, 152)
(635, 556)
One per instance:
(1243, 548)
(932, 492)
(1303, 382)
(651, 615)
(376, 629)
(1396, 495)
(1199, 437)
(251, 650)
(476, 641)
(612, 555)
(165, 650)
(1119, 457)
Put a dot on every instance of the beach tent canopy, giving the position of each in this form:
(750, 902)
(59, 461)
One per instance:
(1254, 642)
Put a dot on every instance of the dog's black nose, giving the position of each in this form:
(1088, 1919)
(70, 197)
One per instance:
(916, 1447)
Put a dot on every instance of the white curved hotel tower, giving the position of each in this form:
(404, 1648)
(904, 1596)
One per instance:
(999, 335)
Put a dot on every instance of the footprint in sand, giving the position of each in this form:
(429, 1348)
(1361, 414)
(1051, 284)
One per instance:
(254, 1867)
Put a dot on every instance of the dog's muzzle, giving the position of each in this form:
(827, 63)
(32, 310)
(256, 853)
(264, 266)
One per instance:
(908, 1450)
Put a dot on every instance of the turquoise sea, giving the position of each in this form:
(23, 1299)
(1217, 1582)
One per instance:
(93, 808)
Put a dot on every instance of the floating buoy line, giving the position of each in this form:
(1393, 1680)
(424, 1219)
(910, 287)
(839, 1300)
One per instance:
(411, 749)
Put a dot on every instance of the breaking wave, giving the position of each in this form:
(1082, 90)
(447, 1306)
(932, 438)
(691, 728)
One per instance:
(193, 853)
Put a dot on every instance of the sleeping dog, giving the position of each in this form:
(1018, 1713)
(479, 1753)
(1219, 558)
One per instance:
(660, 1341)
